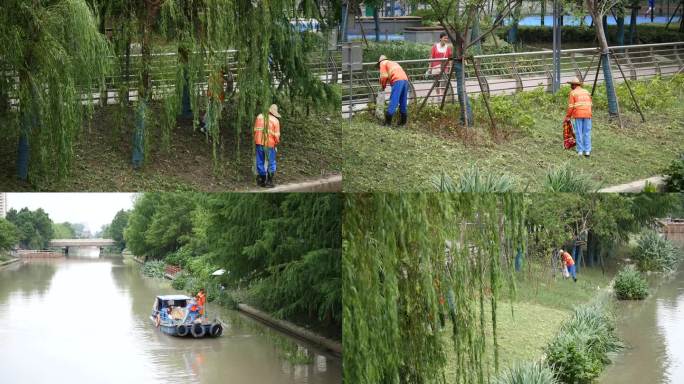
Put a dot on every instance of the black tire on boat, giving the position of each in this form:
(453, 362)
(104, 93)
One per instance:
(197, 330)
(216, 330)
(182, 330)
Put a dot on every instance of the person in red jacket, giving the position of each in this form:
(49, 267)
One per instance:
(440, 50)
(579, 108)
(570, 263)
(267, 143)
(391, 73)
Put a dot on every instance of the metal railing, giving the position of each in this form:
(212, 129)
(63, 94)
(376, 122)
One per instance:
(509, 73)
(37, 253)
(163, 72)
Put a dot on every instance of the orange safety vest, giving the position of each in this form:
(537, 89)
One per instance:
(273, 131)
(567, 259)
(391, 71)
(579, 103)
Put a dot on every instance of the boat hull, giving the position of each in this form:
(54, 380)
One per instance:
(192, 330)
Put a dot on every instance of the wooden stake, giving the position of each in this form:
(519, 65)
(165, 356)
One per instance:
(630, 91)
(482, 93)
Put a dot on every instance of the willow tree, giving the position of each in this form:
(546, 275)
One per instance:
(51, 53)
(416, 267)
(271, 60)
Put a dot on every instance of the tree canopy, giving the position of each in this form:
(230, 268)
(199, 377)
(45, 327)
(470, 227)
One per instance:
(285, 249)
(9, 235)
(35, 227)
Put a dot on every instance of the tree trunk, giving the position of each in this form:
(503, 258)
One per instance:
(376, 20)
(543, 11)
(620, 37)
(477, 48)
(633, 25)
(513, 31)
(186, 109)
(464, 103)
(607, 73)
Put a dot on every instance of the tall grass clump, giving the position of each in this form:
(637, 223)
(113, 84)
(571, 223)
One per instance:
(655, 254)
(566, 179)
(580, 350)
(473, 180)
(630, 285)
(527, 373)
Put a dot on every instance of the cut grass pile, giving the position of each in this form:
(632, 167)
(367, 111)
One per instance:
(309, 150)
(408, 159)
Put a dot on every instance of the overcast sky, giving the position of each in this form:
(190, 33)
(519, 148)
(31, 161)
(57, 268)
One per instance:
(91, 209)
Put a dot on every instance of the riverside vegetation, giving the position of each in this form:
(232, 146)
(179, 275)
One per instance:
(281, 252)
(405, 272)
(527, 146)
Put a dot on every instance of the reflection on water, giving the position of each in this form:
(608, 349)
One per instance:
(654, 333)
(87, 320)
(84, 252)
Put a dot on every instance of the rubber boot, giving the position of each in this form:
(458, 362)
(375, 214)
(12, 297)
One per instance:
(261, 181)
(388, 120)
(404, 119)
(269, 180)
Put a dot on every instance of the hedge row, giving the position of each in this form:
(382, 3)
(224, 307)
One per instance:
(647, 34)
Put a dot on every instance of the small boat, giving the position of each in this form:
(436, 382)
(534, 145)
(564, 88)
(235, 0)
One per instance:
(178, 315)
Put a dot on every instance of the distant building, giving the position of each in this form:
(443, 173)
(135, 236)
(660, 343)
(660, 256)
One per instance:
(3, 204)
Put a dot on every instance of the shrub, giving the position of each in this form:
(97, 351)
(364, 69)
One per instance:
(566, 179)
(653, 253)
(654, 94)
(629, 285)
(674, 179)
(154, 268)
(647, 34)
(506, 111)
(579, 351)
(180, 257)
(528, 373)
(180, 281)
(396, 50)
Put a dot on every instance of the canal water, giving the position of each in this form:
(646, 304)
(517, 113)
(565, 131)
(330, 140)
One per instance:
(653, 331)
(86, 320)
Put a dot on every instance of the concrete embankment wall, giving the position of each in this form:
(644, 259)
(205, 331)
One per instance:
(7, 263)
(331, 346)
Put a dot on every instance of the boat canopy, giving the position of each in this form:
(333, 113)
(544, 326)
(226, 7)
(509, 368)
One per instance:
(176, 300)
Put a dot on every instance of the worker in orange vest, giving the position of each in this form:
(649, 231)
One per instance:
(216, 81)
(201, 298)
(270, 142)
(569, 263)
(392, 73)
(579, 108)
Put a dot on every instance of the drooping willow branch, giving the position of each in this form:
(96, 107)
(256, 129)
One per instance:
(417, 267)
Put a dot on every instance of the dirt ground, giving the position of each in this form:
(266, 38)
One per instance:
(102, 162)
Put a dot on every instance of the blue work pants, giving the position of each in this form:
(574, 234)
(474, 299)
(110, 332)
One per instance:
(261, 160)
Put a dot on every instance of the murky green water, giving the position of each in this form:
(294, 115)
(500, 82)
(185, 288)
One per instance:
(86, 320)
(653, 331)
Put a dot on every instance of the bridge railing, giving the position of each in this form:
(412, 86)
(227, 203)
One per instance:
(509, 73)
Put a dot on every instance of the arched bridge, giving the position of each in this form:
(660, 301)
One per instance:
(62, 243)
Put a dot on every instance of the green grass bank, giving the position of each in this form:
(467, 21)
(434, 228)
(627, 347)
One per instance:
(526, 145)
